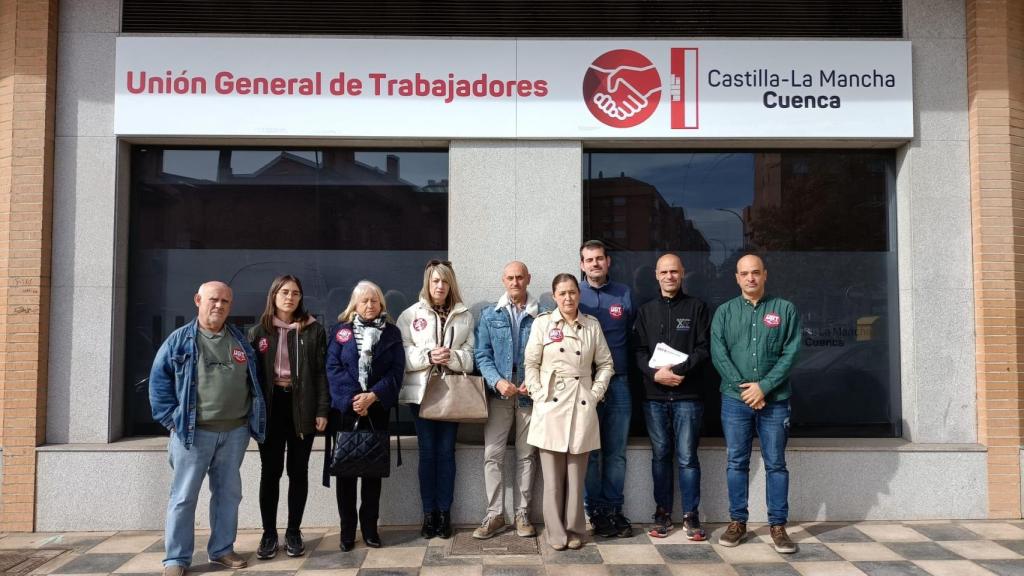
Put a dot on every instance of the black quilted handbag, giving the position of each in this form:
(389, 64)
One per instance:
(361, 452)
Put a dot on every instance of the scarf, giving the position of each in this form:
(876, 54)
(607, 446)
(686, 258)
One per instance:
(367, 335)
(282, 364)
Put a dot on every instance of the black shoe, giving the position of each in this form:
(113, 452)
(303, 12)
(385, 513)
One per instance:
(623, 529)
(293, 545)
(268, 546)
(602, 525)
(429, 529)
(347, 546)
(662, 524)
(373, 541)
(444, 525)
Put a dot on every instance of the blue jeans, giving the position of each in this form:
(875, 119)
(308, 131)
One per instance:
(772, 423)
(437, 461)
(674, 429)
(220, 455)
(606, 469)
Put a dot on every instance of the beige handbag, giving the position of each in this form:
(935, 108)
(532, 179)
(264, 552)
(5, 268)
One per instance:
(454, 397)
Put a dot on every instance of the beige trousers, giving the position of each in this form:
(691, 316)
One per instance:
(564, 475)
(505, 416)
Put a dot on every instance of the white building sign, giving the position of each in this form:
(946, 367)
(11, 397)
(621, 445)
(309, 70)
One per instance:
(433, 88)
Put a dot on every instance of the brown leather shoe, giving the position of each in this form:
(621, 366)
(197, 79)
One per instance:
(231, 560)
(174, 570)
(783, 543)
(733, 534)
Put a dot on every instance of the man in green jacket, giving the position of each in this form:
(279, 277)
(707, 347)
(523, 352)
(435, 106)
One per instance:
(755, 339)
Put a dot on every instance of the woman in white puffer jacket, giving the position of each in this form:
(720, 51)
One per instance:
(436, 331)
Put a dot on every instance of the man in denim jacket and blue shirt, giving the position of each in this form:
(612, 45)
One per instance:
(755, 339)
(501, 336)
(612, 305)
(204, 387)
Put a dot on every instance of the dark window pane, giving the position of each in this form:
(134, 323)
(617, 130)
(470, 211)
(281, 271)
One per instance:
(823, 222)
(329, 216)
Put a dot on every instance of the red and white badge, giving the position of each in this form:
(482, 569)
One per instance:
(772, 320)
(555, 335)
(343, 335)
(238, 355)
(419, 324)
(615, 310)
(263, 345)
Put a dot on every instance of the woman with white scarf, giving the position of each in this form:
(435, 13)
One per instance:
(365, 366)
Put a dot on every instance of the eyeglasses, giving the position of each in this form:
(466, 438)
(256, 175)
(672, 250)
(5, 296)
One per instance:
(433, 263)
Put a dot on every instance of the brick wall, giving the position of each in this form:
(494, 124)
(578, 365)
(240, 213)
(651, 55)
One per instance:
(28, 54)
(995, 64)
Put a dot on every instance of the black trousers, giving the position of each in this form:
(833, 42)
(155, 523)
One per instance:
(369, 493)
(281, 438)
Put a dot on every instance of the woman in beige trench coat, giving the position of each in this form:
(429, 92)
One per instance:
(564, 347)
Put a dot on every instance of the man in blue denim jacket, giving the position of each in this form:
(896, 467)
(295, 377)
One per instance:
(501, 336)
(204, 387)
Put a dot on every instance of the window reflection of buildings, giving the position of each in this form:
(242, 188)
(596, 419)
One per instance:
(292, 202)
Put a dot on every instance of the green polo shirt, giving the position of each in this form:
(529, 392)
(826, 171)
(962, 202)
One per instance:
(755, 344)
(223, 386)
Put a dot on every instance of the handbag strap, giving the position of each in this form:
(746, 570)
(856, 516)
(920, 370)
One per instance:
(398, 435)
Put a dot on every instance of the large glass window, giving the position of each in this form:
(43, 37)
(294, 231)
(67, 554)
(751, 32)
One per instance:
(329, 216)
(823, 220)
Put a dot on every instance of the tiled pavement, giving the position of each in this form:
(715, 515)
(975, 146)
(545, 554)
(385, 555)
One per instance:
(961, 548)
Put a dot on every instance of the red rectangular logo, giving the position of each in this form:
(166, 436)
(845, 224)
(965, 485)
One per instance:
(684, 101)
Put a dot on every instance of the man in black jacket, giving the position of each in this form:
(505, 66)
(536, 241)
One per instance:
(673, 407)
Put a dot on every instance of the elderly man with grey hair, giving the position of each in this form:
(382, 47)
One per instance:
(204, 388)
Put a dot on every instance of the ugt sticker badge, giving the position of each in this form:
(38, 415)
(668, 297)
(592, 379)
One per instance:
(615, 310)
(263, 345)
(555, 335)
(772, 320)
(238, 355)
(343, 335)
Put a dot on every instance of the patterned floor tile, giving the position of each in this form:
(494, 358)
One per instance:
(1004, 567)
(95, 563)
(630, 554)
(452, 570)
(639, 570)
(829, 533)
(143, 563)
(827, 569)
(639, 537)
(288, 573)
(808, 552)
(952, 568)
(797, 533)
(404, 537)
(280, 563)
(532, 560)
(323, 560)
(500, 570)
(680, 553)
(891, 533)
(890, 569)
(864, 552)
(720, 569)
(388, 572)
(127, 543)
(749, 553)
(574, 570)
(922, 551)
(589, 554)
(1015, 545)
(765, 570)
(981, 550)
(345, 572)
(945, 532)
(995, 530)
(394, 558)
